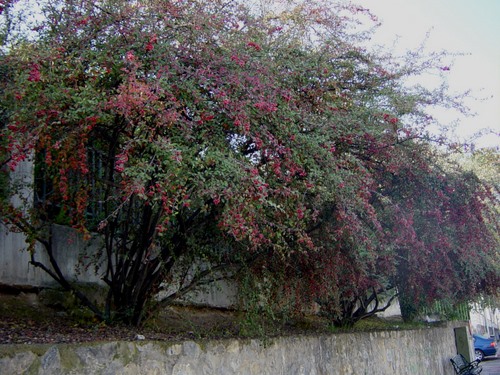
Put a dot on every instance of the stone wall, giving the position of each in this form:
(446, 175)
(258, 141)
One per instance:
(424, 352)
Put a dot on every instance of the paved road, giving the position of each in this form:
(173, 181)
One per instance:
(491, 366)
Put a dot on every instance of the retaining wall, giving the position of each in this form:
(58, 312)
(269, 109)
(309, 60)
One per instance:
(423, 351)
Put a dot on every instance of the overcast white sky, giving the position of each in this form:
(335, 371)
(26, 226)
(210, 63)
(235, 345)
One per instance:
(468, 26)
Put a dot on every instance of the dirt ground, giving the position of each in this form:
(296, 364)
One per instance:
(25, 319)
(49, 316)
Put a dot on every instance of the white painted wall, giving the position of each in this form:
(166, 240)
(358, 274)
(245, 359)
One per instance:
(485, 321)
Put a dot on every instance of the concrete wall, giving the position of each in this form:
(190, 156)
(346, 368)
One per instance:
(69, 246)
(423, 352)
(14, 258)
(69, 250)
(74, 254)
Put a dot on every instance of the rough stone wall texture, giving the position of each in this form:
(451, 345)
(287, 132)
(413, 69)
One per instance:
(423, 351)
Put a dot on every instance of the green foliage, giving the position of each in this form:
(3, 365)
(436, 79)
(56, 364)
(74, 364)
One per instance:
(261, 315)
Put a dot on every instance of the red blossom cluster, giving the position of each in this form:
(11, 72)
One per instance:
(121, 159)
(254, 45)
(391, 119)
(266, 106)
(238, 60)
(34, 73)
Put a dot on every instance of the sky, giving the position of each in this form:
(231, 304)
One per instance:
(471, 27)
